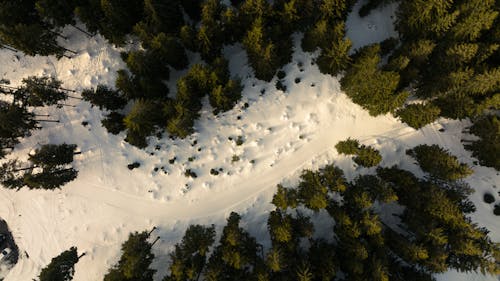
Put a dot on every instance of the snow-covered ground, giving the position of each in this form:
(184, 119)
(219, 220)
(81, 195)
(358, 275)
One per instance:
(283, 133)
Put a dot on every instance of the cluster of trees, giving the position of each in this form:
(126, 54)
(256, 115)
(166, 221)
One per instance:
(263, 28)
(17, 118)
(33, 26)
(366, 156)
(433, 233)
(447, 54)
(49, 166)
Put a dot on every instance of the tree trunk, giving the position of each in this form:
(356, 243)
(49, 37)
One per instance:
(80, 256)
(68, 50)
(151, 231)
(9, 48)
(81, 30)
(24, 169)
(63, 104)
(48, 121)
(76, 153)
(156, 240)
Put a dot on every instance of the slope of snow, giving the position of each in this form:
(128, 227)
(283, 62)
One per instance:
(283, 133)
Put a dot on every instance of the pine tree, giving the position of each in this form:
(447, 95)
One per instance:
(488, 147)
(22, 28)
(119, 18)
(141, 121)
(135, 260)
(113, 122)
(439, 163)
(370, 87)
(62, 267)
(170, 50)
(261, 52)
(52, 155)
(104, 98)
(15, 121)
(418, 115)
(334, 54)
(312, 192)
(57, 13)
(41, 91)
(367, 156)
(189, 257)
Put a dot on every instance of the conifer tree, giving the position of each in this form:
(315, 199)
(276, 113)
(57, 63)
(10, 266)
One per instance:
(104, 98)
(262, 54)
(370, 87)
(62, 267)
(135, 260)
(113, 122)
(41, 91)
(141, 121)
(438, 162)
(189, 257)
(52, 155)
(57, 13)
(418, 115)
(488, 147)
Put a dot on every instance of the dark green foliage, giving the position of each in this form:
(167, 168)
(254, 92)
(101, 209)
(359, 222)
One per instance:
(58, 13)
(52, 155)
(61, 268)
(439, 163)
(235, 256)
(334, 56)
(487, 148)
(40, 91)
(104, 98)
(370, 87)
(135, 260)
(120, 17)
(223, 98)
(22, 28)
(15, 122)
(48, 168)
(366, 156)
(418, 115)
(285, 198)
(312, 192)
(114, 123)
(447, 53)
(433, 235)
(50, 178)
(170, 50)
(141, 121)
(438, 234)
(164, 16)
(348, 147)
(262, 54)
(189, 257)
(192, 8)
